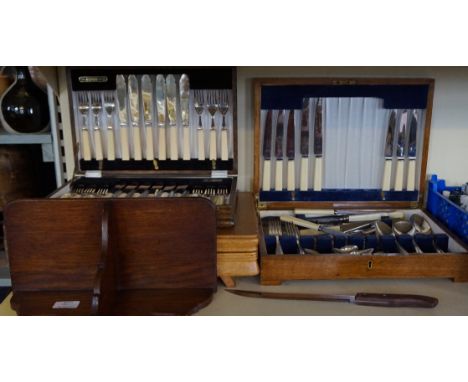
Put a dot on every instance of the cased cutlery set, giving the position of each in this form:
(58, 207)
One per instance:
(156, 133)
(339, 177)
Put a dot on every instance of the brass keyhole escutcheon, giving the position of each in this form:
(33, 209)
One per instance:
(369, 265)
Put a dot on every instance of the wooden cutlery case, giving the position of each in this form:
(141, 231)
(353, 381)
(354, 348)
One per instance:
(155, 132)
(330, 151)
(111, 257)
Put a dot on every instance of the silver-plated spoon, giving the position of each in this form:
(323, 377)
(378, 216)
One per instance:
(381, 228)
(421, 225)
(403, 227)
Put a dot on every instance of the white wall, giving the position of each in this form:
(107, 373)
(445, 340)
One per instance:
(448, 148)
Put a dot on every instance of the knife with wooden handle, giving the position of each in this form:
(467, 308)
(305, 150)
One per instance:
(291, 153)
(385, 300)
(266, 174)
(318, 139)
(304, 179)
(133, 93)
(161, 109)
(411, 181)
(123, 116)
(401, 151)
(279, 152)
(171, 99)
(389, 151)
(147, 97)
(184, 94)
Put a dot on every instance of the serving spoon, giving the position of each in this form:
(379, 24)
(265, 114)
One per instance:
(403, 227)
(421, 225)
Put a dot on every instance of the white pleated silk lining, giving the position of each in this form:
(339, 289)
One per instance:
(354, 130)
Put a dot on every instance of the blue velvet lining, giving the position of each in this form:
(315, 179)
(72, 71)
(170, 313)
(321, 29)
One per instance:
(386, 243)
(394, 96)
(339, 195)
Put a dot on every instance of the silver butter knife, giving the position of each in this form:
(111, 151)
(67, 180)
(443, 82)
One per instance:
(123, 116)
(184, 93)
(171, 99)
(133, 92)
(161, 109)
(147, 97)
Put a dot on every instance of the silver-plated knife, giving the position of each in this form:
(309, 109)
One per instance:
(400, 151)
(123, 116)
(133, 93)
(161, 108)
(147, 97)
(184, 94)
(410, 185)
(318, 140)
(266, 183)
(304, 181)
(389, 139)
(171, 99)
(279, 151)
(290, 153)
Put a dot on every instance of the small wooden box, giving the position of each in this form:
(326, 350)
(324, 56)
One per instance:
(138, 172)
(343, 99)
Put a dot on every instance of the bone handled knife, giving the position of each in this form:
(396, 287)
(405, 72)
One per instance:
(85, 139)
(123, 116)
(291, 153)
(401, 140)
(147, 97)
(266, 183)
(411, 182)
(184, 94)
(134, 96)
(171, 98)
(389, 151)
(318, 138)
(161, 108)
(279, 151)
(304, 180)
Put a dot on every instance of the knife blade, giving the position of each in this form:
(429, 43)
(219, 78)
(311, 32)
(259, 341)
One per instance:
(184, 94)
(290, 152)
(123, 116)
(171, 97)
(147, 96)
(388, 151)
(279, 151)
(266, 184)
(400, 150)
(365, 299)
(318, 138)
(410, 185)
(133, 93)
(304, 181)
(161, 108)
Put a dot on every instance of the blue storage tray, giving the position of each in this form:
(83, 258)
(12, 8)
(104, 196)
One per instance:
(453, 216)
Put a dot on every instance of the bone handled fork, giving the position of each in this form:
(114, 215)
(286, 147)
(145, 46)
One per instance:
(223, 109)
(109, 106)
(199, 108)
(212, 107)
(96, 108)
(83, 108)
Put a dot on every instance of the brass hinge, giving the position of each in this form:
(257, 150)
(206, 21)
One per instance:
(260, 205)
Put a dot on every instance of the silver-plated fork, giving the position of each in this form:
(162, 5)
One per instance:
(212, 108)
(96, 109)
(83, 108)
(199, 106)
(292, 230)
(274, 229)
(223, 106)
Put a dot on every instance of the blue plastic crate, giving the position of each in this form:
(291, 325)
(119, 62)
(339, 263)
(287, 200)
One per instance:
(453, 216)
